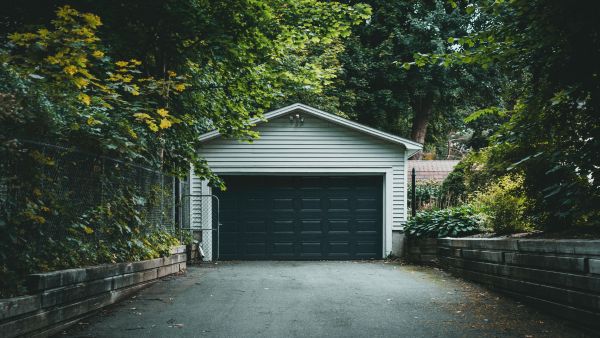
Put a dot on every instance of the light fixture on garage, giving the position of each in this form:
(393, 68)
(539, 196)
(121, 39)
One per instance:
(297, 119)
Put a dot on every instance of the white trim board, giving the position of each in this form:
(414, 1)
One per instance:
(411, 146)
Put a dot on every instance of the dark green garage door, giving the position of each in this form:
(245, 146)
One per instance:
(285, 217)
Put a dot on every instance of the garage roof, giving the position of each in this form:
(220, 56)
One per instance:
(411, 146)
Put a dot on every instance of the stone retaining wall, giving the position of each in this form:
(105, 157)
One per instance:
(422, 250)
(60, 298)
(560, 276)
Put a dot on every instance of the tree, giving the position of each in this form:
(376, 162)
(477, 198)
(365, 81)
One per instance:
(237, 58)
(552, 134)
(423, 103)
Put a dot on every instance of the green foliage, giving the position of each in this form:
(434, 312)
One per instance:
(63, 209)
(185, 236)
(425, 193)
(205, 64)
(451, 222)
(505, 205)
(429, 195)
(374, 89)
(551, 135)
(468, 176)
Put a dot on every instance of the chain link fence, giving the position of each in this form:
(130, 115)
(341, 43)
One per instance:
(201, 218)
(83, 186)
(63, 208)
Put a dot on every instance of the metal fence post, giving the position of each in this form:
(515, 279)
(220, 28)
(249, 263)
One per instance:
(414, 193)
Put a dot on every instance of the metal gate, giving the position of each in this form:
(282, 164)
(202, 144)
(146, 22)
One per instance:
(199, 215)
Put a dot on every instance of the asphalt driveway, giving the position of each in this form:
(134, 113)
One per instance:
(319, 299)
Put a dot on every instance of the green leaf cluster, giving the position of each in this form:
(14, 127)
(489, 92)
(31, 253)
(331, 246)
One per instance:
(505, 206)
(458, 221)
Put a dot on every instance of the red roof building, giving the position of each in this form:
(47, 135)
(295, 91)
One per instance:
(431, 170)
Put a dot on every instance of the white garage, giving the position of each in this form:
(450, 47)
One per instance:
(313, 186)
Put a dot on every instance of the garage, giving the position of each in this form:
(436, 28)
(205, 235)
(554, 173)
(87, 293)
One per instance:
(301, 217)
(314, 185)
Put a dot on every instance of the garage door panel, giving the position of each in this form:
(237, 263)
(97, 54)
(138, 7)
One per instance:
(283, 204)
(366, 203)
(339, 203)
(366, 247)
(282, 226)
(309, 248)
(365, 224)
(283, 248)
(256, 248)
(307, 217)
(339, 225)
(307, 226)
(339, 247)
(258, 226)
(307, 203)
(280, 215)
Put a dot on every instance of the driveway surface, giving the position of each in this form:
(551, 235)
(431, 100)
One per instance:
(319, 299)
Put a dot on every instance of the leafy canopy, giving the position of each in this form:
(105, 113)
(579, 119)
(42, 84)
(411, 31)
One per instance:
(183, 67)
(552, 135)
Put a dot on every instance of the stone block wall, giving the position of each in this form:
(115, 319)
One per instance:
(60, 298)
(560, 276)
(422, 250)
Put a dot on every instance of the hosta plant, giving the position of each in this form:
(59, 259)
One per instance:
(451, 222)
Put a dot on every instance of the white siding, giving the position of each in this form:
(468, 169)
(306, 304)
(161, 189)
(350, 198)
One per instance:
(286, 147)
(195, 202)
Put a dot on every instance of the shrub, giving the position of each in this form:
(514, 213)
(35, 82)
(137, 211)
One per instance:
(473, 173)
(426, 194)
(505, 205)
(429, 195)
(451, 222)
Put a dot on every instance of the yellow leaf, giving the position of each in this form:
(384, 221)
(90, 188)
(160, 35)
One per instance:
(135, 62)
(135, 90)
(92, 121)
(180, 87)
(43, 33)
(132, 133)
(71, 70)
(92, 20)
(152, 125)
(80, 82)
(164, 124)
(65, 12)
(88, 230)
(162, 112)
(84, 98)
(98, 54)
(142, 116)
(37, 192)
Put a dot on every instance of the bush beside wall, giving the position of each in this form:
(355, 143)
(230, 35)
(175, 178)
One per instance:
(60, 298)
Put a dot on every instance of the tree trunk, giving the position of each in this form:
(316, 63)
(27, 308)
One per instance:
(421, 119)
